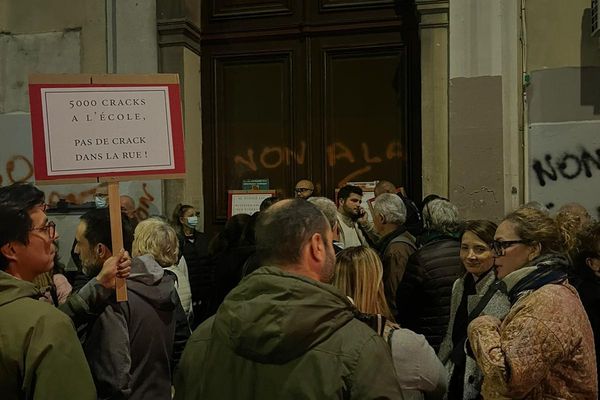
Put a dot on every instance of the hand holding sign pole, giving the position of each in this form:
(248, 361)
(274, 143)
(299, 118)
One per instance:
(106, 128)
(116, 231)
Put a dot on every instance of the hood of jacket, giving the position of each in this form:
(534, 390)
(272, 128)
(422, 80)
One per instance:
(273, 316)
(149, 281)
(12, 289)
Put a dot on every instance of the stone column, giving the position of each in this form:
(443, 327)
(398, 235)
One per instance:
(179, 52)
(433, 29)
(485, 134)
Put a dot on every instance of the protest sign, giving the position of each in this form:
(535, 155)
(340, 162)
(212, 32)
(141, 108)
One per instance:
(93, 126)
(106, 127)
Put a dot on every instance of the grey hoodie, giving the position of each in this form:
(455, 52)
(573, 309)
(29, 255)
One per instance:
(130, 345)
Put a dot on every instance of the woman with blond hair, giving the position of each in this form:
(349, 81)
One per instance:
(358, 274)
(544, 347)
(155, 248)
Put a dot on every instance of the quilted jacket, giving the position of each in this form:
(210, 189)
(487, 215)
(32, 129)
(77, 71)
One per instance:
(543, 349)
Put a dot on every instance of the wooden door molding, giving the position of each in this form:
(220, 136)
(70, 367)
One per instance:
(251, 119)
(362, 117)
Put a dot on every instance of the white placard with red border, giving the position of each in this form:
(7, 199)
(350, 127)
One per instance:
(116, 126)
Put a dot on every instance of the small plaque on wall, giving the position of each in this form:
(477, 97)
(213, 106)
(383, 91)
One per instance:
(246, 201)
(255, 184)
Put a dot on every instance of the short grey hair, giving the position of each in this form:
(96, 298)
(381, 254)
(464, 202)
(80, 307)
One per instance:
(327, 207)
(391, 207)
(442, 216)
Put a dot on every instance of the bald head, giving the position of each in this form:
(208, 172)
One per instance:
(384, 187)
(304, 189)
(575, 210)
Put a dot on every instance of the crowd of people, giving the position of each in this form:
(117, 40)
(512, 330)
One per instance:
(307, 298)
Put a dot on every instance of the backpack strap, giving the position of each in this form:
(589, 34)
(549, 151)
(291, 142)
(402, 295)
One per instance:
(457, 351)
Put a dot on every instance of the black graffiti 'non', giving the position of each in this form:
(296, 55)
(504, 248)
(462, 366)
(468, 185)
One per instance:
(568, 166)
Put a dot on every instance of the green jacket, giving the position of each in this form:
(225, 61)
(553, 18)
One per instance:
(283, 336)
(40, 355)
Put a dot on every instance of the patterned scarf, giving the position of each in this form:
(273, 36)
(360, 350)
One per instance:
(547, 269)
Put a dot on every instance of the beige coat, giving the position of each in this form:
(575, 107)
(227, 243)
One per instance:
(544, 348)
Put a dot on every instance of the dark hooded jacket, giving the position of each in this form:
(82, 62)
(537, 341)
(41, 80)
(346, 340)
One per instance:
(40, 356)
(130, 345)
(283, 336)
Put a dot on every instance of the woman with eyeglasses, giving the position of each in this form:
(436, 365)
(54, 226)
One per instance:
(358, 274)
(544, 347)
(476, 293)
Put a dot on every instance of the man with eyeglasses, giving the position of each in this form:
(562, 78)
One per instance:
(40, 351)
(304, 189)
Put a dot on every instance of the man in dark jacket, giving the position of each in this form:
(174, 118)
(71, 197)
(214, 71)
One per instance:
(423, 297)
(414, 220)
(130, 345)
(283, 332)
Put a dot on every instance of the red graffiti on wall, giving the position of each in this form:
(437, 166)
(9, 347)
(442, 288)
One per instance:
(19, 168)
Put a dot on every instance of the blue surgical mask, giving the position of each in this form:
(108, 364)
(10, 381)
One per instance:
(100, 201)
(192, 221)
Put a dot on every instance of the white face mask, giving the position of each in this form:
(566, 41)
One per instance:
(192, 221)
(100, 202)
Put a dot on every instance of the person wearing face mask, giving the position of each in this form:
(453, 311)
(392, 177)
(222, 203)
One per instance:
(477, 292)
(100, 201)
(193, 248)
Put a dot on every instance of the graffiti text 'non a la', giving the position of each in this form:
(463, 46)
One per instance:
(270, 157)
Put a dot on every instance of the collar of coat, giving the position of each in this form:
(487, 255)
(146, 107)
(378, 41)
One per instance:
(545, 269)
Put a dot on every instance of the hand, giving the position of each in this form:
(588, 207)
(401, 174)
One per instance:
(363, 216)
(115, 266)
(63, 287)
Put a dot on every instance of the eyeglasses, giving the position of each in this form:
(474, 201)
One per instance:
(49, 228)
(500, 246)
(302, 190)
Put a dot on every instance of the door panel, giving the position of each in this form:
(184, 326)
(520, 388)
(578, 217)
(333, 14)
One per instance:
(360, 108)
(326, 90)
(252, 121)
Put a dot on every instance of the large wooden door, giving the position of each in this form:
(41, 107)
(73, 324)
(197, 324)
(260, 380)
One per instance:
(325, 90)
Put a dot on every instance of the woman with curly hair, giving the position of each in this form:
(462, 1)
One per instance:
(544, 347)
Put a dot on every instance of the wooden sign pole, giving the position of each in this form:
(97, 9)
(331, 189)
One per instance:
(116, 229)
